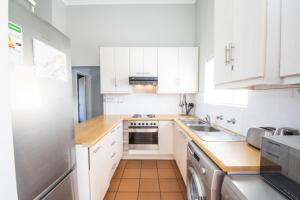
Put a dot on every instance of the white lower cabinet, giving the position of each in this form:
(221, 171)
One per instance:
(97, 164)
(165, 137)
(180, 143)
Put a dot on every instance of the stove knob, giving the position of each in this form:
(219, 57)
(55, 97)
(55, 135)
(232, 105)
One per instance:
(139, 123)
(142, 123)
(134, 123)
(147, 124)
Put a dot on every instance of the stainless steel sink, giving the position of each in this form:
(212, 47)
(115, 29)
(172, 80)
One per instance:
(190, 122)
(204, 128)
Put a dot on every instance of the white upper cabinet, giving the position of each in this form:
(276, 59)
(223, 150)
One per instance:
(188, 69)
(178, 70)
(114, 70)
(290, 42)
(223, 38)
(247, 43)
(168, 70)
(107, 69)
(249, 39)
(143, 61)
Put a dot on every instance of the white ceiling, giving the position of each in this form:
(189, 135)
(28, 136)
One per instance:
(111, 2)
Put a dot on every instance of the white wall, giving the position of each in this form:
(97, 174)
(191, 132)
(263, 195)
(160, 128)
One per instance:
(141, 103)
(8, 188)
(52, 11)
(59, 12)
(265, 108)
(90, 27)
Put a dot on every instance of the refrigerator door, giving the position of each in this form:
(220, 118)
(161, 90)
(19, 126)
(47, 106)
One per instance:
(64, 190)
(42, 111)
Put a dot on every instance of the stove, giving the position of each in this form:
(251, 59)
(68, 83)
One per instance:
(143, 116)
(143, 135)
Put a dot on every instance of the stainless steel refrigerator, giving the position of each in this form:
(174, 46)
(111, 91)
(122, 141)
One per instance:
(42, 111)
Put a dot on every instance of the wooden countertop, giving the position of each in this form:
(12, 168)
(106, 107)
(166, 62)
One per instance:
(229, 156)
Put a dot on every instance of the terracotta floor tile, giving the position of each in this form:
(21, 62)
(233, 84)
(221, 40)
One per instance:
(174, 164)
(166, 173)
(118, 173)
(122, 164)
(149, 173)
(178, 174)
(114, 185)
(172, 196)
(149, 185)
(164, 164)
(131, 173)
(182, 185)
(169, 185)
(126, 196)
(129, 185)
(149, 196)
(133, 164)
(110, 196)
(149, 164)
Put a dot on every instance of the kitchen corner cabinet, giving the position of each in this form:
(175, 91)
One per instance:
(290, 41)
(247, 43)
(177, 70)
(180, 144)
(143, 61)
(114, 70)
(97, 164)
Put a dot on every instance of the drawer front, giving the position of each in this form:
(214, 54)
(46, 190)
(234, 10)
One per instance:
(274, 154)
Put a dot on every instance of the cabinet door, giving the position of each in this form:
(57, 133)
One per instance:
(166, 137)
(107, 70)
(122, 69)
(150, 61)
(223, 37)
(180, 150)
(188, 65)
(136, 61)
(249, 39)
(290, 40)
(168, 70)
(99, 168)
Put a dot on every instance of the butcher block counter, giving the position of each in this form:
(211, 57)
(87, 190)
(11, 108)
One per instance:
(229, 156)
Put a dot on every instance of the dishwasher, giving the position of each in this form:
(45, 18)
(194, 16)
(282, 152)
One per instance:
(204, 178)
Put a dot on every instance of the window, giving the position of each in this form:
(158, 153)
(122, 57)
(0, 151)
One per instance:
(220, 96)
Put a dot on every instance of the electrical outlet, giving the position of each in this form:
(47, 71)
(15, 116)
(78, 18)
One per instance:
(296, 92)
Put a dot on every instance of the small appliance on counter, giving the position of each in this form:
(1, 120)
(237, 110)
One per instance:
(255, 135)
(280, 163)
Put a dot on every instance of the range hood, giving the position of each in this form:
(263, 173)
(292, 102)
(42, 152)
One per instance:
(134, 80)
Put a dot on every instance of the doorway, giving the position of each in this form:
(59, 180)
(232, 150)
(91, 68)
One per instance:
(81, 97)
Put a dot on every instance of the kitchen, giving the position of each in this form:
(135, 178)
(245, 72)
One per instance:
(232, 66)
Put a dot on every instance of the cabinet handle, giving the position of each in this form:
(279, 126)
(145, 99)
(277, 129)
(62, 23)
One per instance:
(97, 149)
(231, 47)
(273, 155)
(114, 154)
(182, 134)
(113, 143)
(227, 50)
(114, 166)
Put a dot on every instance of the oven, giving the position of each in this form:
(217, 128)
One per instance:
(143, 135)
(280, 163)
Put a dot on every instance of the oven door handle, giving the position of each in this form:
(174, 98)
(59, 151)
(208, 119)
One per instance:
(143, 130)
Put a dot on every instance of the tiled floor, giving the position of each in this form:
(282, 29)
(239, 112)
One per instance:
(147, 180)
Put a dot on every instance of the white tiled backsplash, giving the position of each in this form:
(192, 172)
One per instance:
(279, 108)
(142, 103)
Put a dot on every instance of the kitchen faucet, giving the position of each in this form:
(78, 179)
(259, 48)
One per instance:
(207, 119)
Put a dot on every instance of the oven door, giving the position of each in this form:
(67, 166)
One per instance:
(143, 139)
(195, 187)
